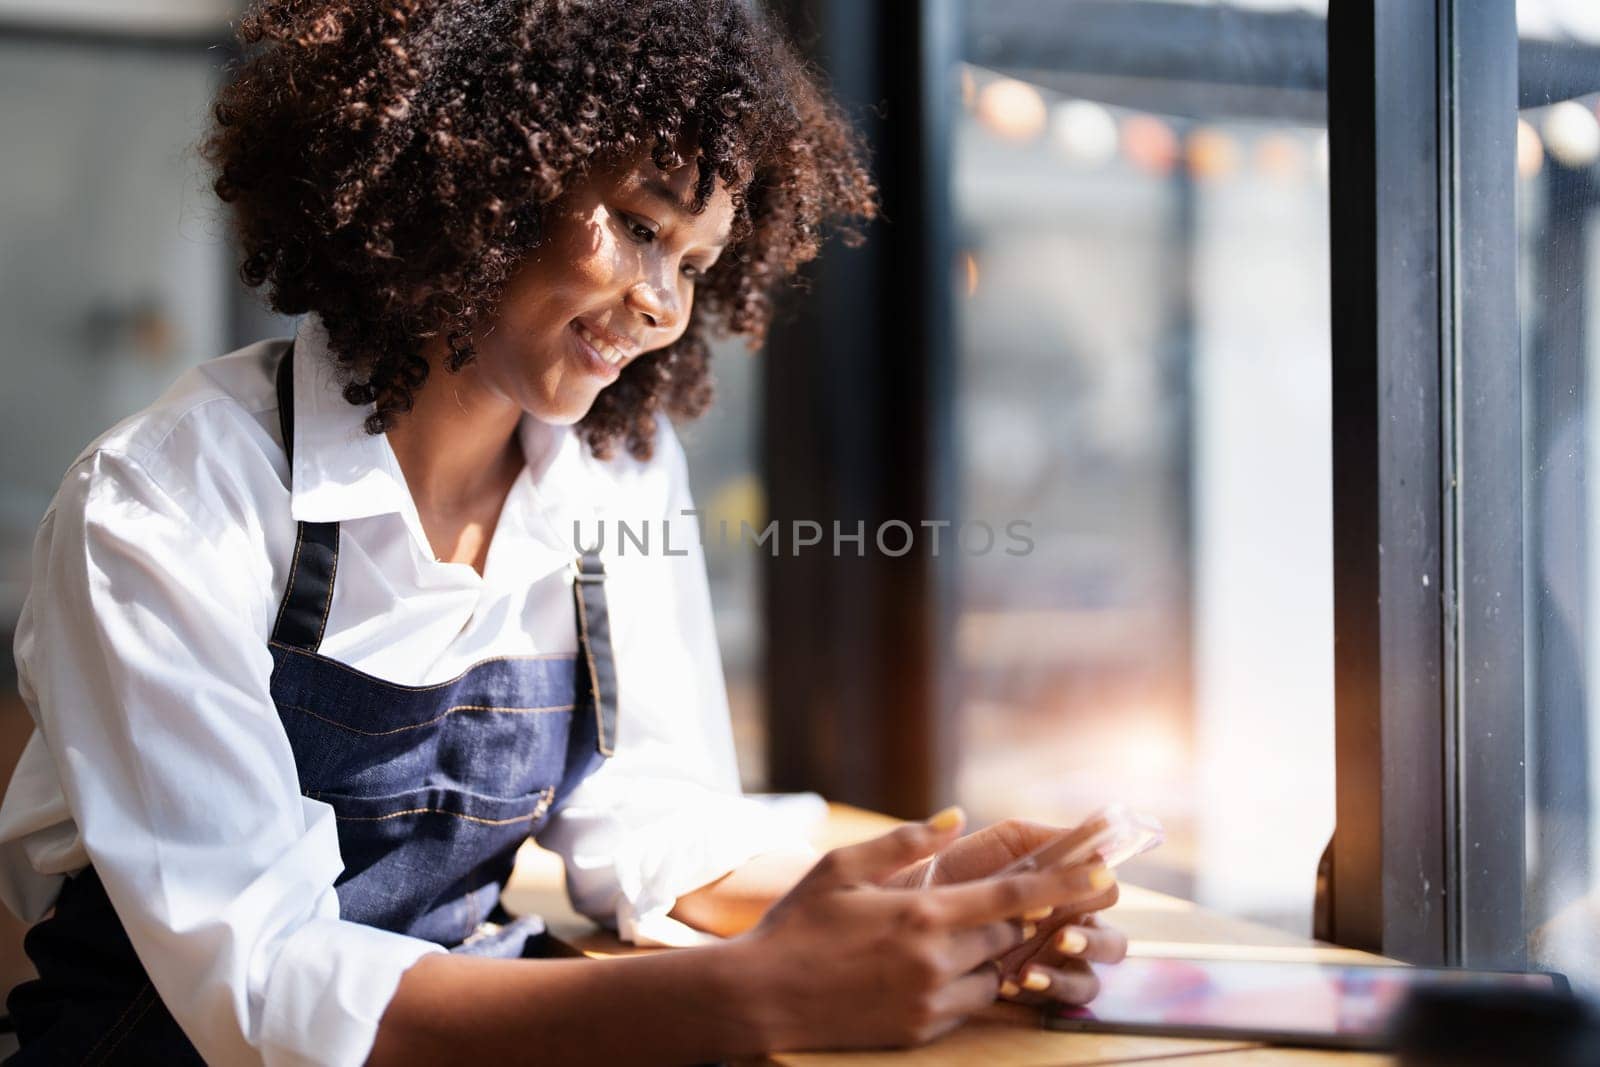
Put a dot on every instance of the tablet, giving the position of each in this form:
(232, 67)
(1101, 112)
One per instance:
(1281, 1002)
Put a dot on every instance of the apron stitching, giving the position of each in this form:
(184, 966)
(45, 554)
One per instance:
(418, 688)
(543, 806)
(147, 995)
(417, 726)
(546, 798)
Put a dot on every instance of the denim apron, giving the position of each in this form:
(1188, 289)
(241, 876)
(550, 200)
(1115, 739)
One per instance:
(434, 788)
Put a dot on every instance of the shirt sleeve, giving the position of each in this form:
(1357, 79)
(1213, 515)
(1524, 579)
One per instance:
(143, 655)
(665, 814)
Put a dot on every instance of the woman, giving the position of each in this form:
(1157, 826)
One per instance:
(309, 645)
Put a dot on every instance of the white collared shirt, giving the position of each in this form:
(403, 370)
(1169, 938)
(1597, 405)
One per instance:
(159, 757)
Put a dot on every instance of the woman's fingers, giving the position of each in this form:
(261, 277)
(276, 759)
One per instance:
(1088, 940)
(980, 854)
(1083, 939)
(980, 944)
(949, 1005)
(972, 992)
(1071, 983)
(1080, 889)
(871, 862)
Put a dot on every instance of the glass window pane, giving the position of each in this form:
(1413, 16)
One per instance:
(1142, 286)
(1558, 145)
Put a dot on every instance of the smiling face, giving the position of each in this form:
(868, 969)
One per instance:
(612, 278)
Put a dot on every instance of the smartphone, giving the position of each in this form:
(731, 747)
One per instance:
(1113, 834)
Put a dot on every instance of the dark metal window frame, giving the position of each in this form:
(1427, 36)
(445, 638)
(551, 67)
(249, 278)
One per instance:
(1428, 856)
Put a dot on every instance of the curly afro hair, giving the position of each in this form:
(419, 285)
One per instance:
(388, 163)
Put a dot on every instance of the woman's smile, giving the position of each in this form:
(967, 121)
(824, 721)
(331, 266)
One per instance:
(590, 356)
(603, 352)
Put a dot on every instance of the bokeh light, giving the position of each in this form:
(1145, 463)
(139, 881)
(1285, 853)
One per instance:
(1212, 154)
(1572, 134)
(1281, 156)
(1085, 133)
(1149, 143)
(1012, 109)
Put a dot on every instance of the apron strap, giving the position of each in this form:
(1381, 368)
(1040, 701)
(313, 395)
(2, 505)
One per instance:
(594, 647)
(303, 613)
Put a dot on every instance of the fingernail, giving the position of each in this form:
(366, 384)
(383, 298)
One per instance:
(1037, 981)
(1008, 988)
(1028, 930)
(1101, 878)
(1038, 914)
(948, 819)
(1072, 941)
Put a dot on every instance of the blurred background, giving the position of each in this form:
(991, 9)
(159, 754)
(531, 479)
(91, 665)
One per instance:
(1133, 265)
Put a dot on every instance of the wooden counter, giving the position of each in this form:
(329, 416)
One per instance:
(1009, 1035)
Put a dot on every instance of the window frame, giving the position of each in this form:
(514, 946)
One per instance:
(1428, 855)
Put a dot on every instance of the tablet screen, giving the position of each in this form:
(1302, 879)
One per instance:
(1296, 1003)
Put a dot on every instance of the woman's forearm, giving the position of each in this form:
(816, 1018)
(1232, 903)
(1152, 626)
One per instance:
(736, 901)
(683, 1006)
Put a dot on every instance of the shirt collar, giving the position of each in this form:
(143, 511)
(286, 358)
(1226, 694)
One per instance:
(340, 471)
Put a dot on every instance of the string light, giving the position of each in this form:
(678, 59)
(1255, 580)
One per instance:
(1011, 109)
(1085, 132)
(1149, 143)
(1212, 154)
(1572, 134)
(1280, 156)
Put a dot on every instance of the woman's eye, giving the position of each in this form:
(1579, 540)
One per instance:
(638, 230)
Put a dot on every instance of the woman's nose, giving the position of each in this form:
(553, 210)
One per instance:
(658, 307)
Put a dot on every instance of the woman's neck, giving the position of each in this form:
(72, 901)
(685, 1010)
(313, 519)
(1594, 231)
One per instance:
(458, 444)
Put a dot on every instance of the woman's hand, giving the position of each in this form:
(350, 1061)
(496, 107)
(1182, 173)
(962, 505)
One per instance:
(1053, 963)
(844, 960)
